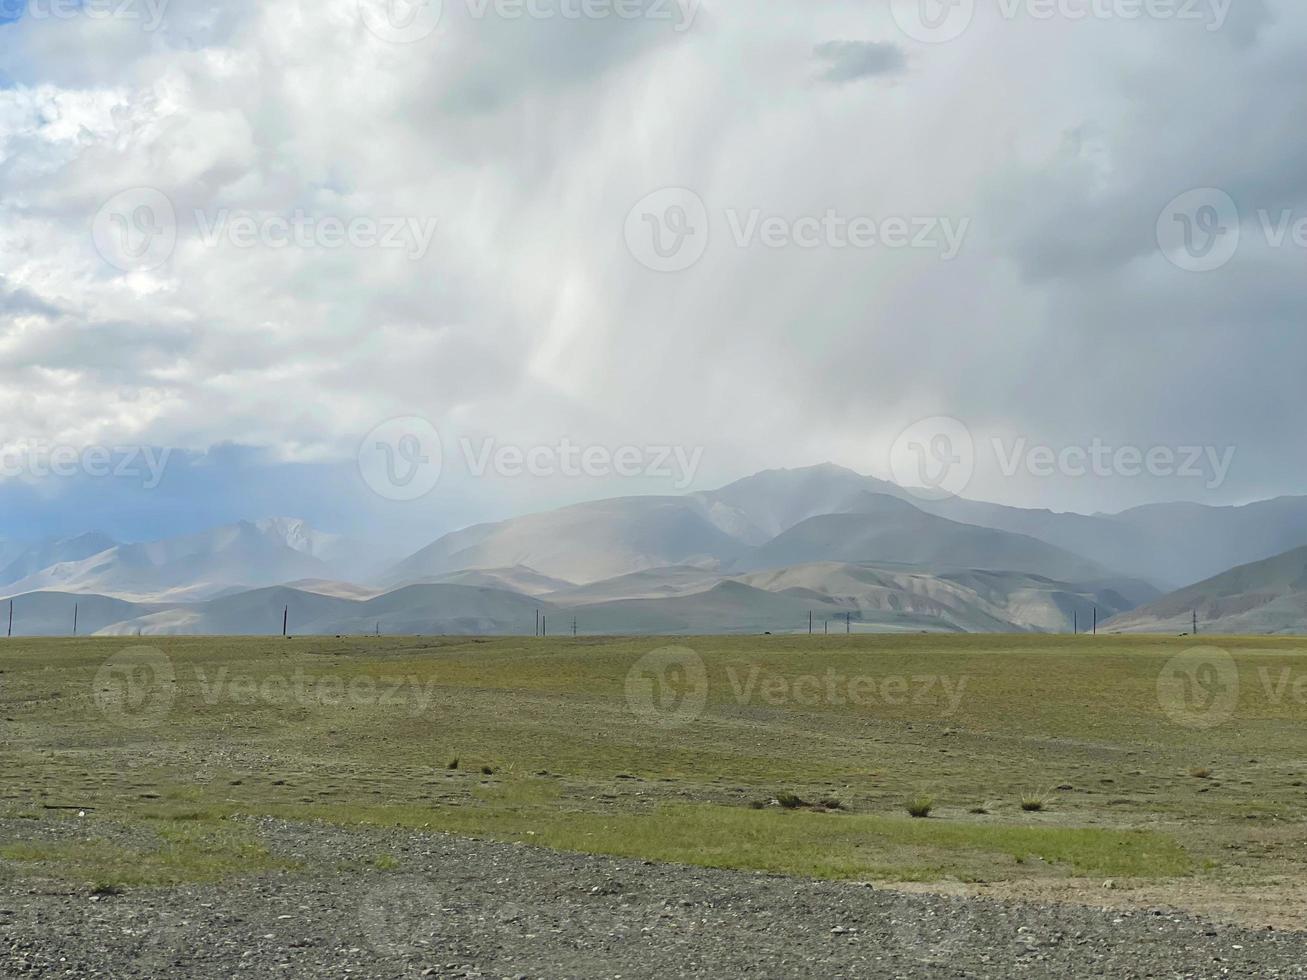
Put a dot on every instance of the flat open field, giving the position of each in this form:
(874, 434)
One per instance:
(1109, 770)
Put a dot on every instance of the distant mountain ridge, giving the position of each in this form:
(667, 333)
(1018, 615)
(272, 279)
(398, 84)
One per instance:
(1268, 596)
(693, 556)
(195, 566)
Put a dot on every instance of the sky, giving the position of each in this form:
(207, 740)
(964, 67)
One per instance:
(396, 268)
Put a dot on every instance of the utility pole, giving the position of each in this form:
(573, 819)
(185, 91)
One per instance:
(544, 625)
(1075, 623)
(74, 619)
(11, 618)
(810, 624)
(848, 622)
(825, 625)
(537, 622)
(285, 621)
(574, 627)
(1095, 621)
(1195, 622)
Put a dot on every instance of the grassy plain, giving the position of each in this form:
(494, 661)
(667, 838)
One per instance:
(170, 754)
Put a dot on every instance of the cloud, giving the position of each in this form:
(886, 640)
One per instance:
(849, 61)
(529, 141)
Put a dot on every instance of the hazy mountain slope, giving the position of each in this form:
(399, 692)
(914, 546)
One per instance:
(775, 500)
(194, 566)
(730, 607)
(22, 561)
(526, 581)
(1191, 543)
(1100, 538)
(257, 612)
(889, 530)
(1169, 545)
(583, 543)
(330, 587)
(51, 613)
(444, 609)
(654, 583)
(421, 609)
(1268, 596)
(976, 601)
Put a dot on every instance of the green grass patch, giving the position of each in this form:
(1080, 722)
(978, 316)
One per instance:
(185, 853)
(819, 845)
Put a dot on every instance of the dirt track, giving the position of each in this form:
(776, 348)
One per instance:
(457, 907)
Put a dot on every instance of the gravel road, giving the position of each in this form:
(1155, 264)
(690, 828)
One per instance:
(467, 908)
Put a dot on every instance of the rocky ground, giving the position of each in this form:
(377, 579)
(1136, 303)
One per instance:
(452, 907)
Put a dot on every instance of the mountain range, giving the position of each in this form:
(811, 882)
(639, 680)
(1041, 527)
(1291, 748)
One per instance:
(761, 554)
(1268, 596)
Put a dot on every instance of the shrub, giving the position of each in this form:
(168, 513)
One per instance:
(920, 807)
(1201, 773)
(790, 801)
(453, 763)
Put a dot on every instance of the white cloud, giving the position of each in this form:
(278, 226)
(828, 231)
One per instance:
(527, 142)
